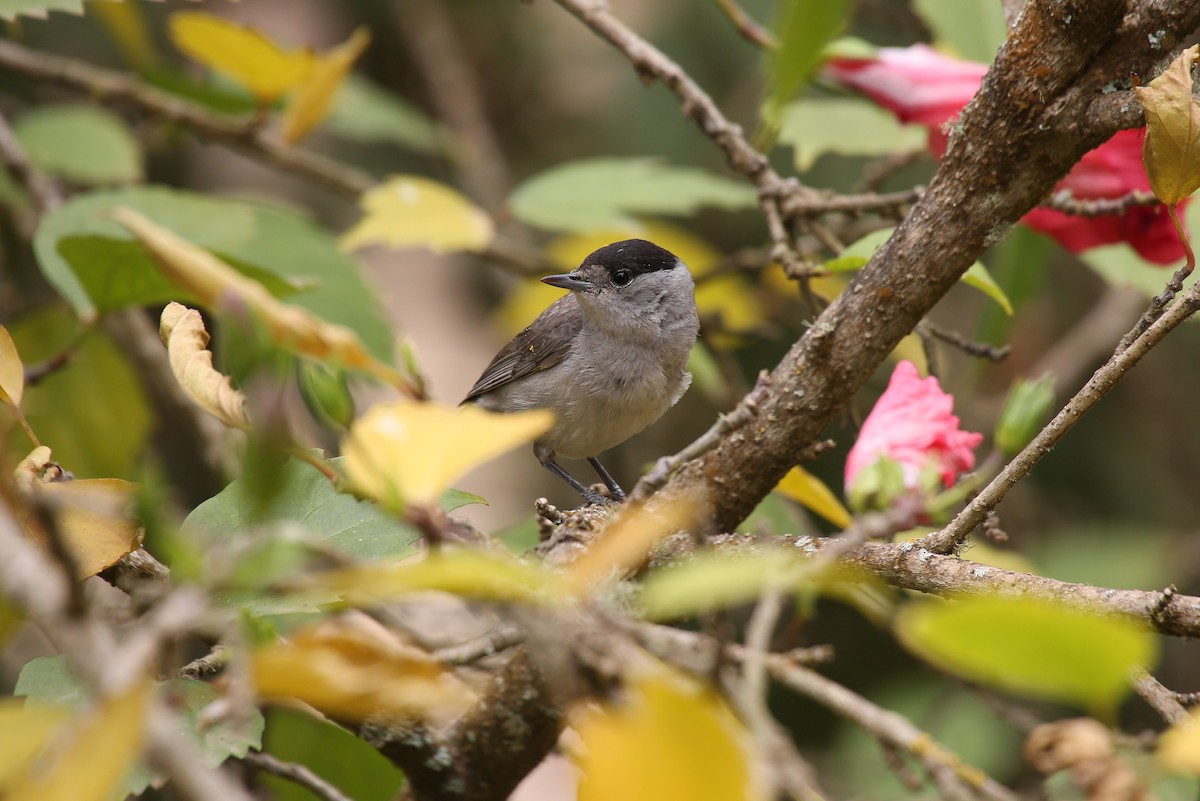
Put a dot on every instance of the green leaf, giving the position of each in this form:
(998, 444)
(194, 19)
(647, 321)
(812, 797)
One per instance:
(846, 126)
(975, 29)
(89, 259)
(360, 528)
(611, 192)
(979, 278)
(456, 499)
(231, 735)
(710, 581)
(81, 143)
(49, 679)
(11, 9)
(365, 112)
(73, 409)
(334, 754)
(802, 28)
(215, 92)
(1031, 647)
(857, 255)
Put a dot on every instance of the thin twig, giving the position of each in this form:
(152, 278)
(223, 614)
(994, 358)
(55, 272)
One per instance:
(1101, 382)
(944, 765)
(740, 416)
(46, 194)
(294, 772)
(893, 203)
(747, 26)
(982, 350)
(441, 57)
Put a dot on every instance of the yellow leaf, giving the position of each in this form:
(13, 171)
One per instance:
(627, 540)
(182, 331)
(810, 492)
(406, 452)
(92, 516)
(310, 104)
(466, 572)
(97, 754)
(1030, 646)
(1179, 747)
(211, 281)
(246, 55)
(671, 738)
(350, 671)
(1171, 151)
(12, 372)
(409, 211)
(25, 727)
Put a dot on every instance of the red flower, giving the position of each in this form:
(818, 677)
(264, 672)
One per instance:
(920, 85)
(913, 424)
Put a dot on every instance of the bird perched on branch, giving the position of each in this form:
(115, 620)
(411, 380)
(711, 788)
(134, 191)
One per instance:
(608, 359)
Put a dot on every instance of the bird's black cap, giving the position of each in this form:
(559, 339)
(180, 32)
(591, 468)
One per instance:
(637, 255)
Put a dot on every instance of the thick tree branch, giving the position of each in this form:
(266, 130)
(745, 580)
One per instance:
(1024, 130)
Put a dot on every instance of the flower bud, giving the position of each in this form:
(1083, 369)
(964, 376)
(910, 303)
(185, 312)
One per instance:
(1024, 413)
(876, 486)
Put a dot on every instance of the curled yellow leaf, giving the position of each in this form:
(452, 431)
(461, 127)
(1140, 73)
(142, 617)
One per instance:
(350, 671)
(311, 101)
(1172, 147)
(407, 453)
(409, 211)
(12, 372)
(182, 331)
(211, 281)
(268, 70)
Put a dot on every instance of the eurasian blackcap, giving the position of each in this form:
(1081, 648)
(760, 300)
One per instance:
(608, 359)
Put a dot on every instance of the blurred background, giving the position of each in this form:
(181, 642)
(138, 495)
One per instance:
(491, 95)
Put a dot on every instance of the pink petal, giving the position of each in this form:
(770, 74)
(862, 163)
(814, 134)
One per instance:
(913, 424)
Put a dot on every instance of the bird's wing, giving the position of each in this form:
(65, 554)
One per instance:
(540, 346)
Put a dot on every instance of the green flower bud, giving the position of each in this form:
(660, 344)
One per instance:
(876, 485)
(1025, 412)
(326, 394)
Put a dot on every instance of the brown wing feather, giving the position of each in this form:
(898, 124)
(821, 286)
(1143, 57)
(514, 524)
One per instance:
(540, 346)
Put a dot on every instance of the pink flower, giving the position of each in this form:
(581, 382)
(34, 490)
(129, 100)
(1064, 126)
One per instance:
(913, 425)
(920, 85)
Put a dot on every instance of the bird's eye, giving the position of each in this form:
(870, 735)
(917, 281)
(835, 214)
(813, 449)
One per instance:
(622, 277)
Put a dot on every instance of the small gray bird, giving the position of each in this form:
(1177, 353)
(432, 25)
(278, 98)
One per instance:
(608, 359)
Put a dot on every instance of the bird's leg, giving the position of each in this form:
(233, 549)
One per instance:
(613, 487)
(589, 494)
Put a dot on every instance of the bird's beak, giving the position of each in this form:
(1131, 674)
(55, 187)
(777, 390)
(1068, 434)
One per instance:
(568, 281)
